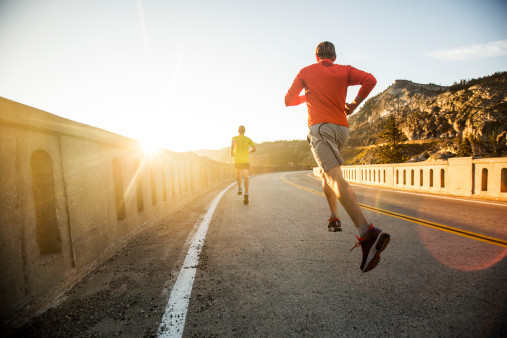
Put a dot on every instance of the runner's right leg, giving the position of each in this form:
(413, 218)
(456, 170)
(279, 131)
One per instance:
(238, 179)
(245, 179)
(373, 240)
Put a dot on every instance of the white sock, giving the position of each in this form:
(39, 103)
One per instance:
(363, 229)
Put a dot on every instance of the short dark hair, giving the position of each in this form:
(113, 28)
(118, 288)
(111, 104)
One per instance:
(325, 50)
(241, 129)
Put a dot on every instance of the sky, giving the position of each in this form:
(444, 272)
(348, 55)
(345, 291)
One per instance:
(184, 75)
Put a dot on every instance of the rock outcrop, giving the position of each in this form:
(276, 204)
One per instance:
(474, 111)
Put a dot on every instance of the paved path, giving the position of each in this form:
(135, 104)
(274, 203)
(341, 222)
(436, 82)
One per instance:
(272, 269)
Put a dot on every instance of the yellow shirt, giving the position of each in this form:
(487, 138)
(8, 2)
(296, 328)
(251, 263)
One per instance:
(241, 148)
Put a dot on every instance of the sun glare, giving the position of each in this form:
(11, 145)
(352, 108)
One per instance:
(150, 147)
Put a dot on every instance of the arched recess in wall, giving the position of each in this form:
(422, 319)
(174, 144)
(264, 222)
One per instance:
(172, 179)
(139, 186)
(164, 186)
(184, 175)
(503, 180)
(43, 187)
(484, 179)
(204, 177)
(118, 190)
(153, 186)
(189, 175)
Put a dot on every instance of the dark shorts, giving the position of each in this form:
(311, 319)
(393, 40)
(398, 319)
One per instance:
(242, 166)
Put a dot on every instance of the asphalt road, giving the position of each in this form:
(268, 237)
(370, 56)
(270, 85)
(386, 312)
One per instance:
(271, 269)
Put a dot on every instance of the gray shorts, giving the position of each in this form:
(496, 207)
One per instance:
(327, 140)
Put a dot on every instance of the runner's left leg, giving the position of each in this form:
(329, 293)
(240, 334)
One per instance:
(244, 173)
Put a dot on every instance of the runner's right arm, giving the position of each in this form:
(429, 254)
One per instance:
(292, 98)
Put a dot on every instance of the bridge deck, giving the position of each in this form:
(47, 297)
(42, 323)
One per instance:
(272, 269)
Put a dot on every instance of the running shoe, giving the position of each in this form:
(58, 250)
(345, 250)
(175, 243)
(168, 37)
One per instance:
(373, 242)
(334, 225)
(245, 199)
(240, 192)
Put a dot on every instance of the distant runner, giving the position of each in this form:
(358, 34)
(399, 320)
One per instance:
(241, 147)
(325, 87)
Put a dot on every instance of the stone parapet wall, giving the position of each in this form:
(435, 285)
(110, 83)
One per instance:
(461, 176)
(71, 195)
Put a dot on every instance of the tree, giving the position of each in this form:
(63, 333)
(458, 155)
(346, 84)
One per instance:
(390, 131)
(391, 152)
(464, 148)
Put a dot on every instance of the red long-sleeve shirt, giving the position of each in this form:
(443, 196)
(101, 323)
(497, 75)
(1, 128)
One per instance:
(325, 87)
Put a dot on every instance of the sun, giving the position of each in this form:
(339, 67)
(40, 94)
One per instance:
(150, 146)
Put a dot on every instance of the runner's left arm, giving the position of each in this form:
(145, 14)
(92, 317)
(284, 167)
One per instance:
(367, 82)
(292, 98)
(232, 148)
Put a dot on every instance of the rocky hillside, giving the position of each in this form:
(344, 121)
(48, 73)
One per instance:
(472, 111)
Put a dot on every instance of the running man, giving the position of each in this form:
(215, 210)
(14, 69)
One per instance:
(241, 147)
(325, 85)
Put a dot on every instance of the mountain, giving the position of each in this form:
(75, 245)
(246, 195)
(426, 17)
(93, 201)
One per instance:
(473, 111)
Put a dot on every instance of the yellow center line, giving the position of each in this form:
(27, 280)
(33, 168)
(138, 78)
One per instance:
(420, 221)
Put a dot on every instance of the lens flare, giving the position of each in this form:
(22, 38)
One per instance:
(460, 253)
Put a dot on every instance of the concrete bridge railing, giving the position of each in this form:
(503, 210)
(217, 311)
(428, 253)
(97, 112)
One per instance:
(463, 176)
(71, 195)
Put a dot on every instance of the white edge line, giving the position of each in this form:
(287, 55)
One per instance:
(173, 320)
